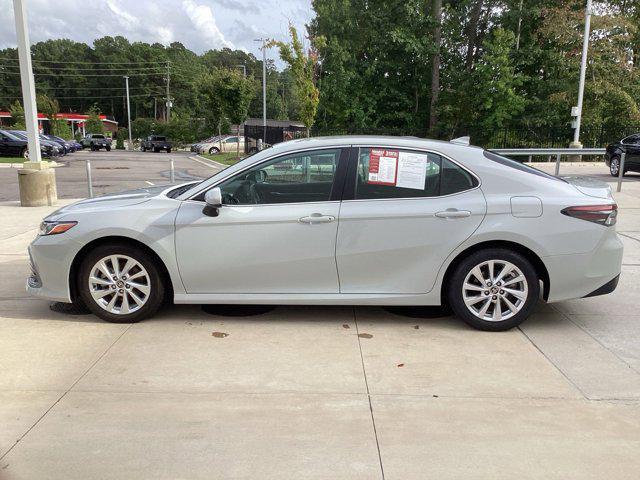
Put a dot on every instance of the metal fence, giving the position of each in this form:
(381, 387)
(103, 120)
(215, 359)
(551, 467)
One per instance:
(559, 153)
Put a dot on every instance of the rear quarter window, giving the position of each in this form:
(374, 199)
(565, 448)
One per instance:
(507, 162)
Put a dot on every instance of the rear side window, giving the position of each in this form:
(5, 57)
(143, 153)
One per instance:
(393, 173)
(632, 140)
(507, 162)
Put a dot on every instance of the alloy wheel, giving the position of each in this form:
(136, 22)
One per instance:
(495, 290)
(119, 284)
(615, 165)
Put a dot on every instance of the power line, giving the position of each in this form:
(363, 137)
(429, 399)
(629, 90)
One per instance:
(81, 62)
(163, 74)
(159, 94)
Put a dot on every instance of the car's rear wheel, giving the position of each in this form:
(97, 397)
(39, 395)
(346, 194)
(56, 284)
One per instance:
(24, 153)
(214, 150)
(494, 289)
(614, 167)
(120, 283)
(168, 150)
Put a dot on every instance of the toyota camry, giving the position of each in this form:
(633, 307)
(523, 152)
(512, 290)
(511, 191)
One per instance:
(341, 220)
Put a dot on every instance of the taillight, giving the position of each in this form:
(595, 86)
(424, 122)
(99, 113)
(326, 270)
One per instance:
(602, 214)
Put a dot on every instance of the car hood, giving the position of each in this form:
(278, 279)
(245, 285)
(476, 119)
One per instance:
(590, 186)
(115, 200)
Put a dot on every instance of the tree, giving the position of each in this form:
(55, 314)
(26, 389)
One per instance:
(228, 94)
(302, 67)
(17, 113)
(435, 65)
(93, 124)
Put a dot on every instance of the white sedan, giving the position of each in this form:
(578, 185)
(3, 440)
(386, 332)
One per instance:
(225, 143)
(342, 220)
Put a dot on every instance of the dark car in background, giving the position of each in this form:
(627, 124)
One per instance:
(68, 147)
(96, 141)
(155, 143)
(613, 157)
(47, 147)
(12, 145)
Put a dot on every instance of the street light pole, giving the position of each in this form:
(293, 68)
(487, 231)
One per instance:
(126, 81)
(583, 71)
(27, 81)
(264, 88)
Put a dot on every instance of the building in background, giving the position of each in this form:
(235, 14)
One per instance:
(75, 120)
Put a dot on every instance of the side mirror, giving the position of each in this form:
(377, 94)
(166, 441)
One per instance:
(213, 202)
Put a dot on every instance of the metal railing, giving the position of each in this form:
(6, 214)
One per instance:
(560, 152)
(172, 175)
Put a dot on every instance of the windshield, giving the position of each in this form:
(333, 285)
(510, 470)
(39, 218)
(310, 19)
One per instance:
(160, 139)
(9, 135)
(97, 136)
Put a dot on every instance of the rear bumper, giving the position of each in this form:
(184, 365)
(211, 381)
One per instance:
(608, 287)
(585, 274)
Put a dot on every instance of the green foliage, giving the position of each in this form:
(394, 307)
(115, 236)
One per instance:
(17, 113)
(302, 68)
(61, 128)
(93, 123)
(122, 134)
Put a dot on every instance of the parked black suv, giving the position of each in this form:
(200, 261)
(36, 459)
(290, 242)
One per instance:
(155, 143)
(630, 145)
(96, 141)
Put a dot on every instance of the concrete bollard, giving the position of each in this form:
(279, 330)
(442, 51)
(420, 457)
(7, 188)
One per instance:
(37, 184)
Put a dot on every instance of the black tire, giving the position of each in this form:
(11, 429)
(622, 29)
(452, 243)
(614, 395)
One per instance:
(157, 290)
(156, 150)
(214, 150)
(93, 148)
(108, 149)
(143, 149)
(168, 150)
(455, 289)
(24, 153)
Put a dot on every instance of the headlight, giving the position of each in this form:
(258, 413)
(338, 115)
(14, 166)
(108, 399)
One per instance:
(54, 228)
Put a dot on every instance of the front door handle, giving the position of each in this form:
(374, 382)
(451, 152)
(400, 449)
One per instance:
(453, 213)
(317, 218)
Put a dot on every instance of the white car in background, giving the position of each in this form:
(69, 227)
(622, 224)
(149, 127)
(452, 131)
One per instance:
(225, 143)
(339, 221)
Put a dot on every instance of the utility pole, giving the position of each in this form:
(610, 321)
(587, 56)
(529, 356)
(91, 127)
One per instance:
(27, 81)
(264, 88)
(168, 94)
(126, 80)
(577, 111)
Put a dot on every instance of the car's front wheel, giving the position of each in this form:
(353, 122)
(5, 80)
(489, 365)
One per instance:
(214, 150)
(120, 283)
(494, 289)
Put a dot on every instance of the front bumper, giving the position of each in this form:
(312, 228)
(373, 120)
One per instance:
(51, 258)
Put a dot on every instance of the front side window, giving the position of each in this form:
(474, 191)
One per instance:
(394, 173)
(295, 178)
(632, 140)
(231, 140)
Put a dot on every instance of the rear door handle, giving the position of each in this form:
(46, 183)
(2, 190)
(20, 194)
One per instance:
(453, 213)
(317, 218)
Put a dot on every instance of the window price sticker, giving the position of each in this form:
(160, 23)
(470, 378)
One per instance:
(398, 169)
(383, 167)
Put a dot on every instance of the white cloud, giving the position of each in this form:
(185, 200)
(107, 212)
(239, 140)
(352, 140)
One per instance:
(203, 20)
(199, 24)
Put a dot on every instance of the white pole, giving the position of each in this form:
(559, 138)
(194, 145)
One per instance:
(126, 80)
(27, 81)
(583, 70)
(264, 91)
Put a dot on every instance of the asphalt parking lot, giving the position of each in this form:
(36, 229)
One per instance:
(314, 392)
(114, 171)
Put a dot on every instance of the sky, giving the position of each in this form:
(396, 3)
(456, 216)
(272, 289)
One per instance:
(200, 25)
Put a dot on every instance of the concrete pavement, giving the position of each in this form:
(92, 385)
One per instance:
(319, 392)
